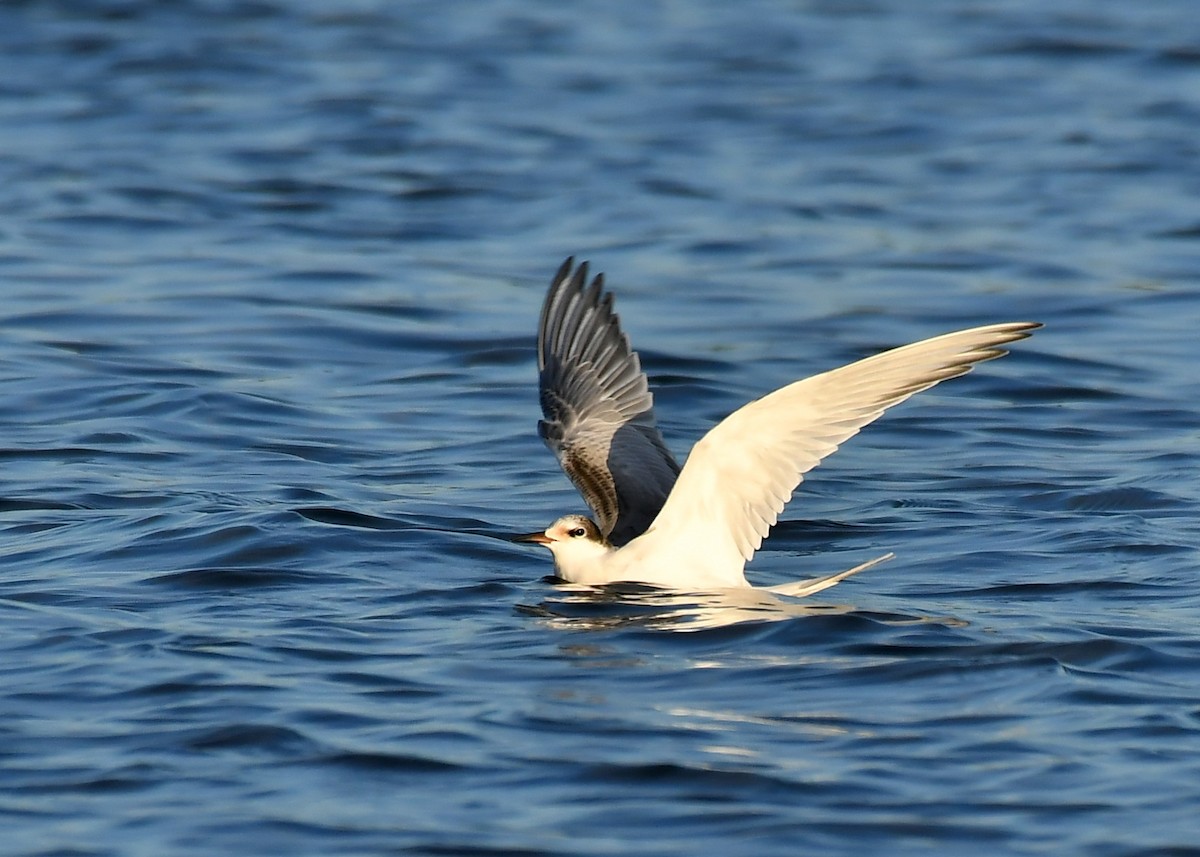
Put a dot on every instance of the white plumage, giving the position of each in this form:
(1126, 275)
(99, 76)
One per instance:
(696, 527)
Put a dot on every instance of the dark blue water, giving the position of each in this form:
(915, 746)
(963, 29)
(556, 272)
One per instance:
(270, 278)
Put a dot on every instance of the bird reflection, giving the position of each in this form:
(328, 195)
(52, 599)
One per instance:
(633, 605)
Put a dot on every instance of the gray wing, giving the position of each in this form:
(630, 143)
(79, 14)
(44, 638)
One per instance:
(599, 414)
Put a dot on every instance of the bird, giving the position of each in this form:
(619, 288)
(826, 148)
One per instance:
(695, 527)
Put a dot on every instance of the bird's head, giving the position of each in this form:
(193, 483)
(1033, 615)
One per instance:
(575, 541)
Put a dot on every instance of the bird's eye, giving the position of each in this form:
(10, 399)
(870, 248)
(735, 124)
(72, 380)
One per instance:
(577, 533)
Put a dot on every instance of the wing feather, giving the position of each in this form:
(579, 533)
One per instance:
(741, 474)
(597, 407)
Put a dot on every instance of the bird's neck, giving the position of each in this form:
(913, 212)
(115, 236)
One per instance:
(584, 563)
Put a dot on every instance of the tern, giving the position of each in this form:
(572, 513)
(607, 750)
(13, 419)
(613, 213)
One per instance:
(695, 528)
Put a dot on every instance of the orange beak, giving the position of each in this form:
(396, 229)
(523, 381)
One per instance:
(534, 538)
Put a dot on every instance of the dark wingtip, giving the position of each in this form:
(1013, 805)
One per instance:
(564, 269)
(580, 278)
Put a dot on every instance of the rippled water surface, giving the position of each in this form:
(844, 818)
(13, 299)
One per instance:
(271, 273)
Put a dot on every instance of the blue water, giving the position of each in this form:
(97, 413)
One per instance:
(270, 280)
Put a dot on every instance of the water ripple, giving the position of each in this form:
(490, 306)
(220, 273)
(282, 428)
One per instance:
(271, 275)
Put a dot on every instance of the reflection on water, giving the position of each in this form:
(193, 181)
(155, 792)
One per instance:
(630, 605)
(623, 605)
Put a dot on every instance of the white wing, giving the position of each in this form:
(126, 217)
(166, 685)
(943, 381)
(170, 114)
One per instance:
(739, 476)
(599, 414)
